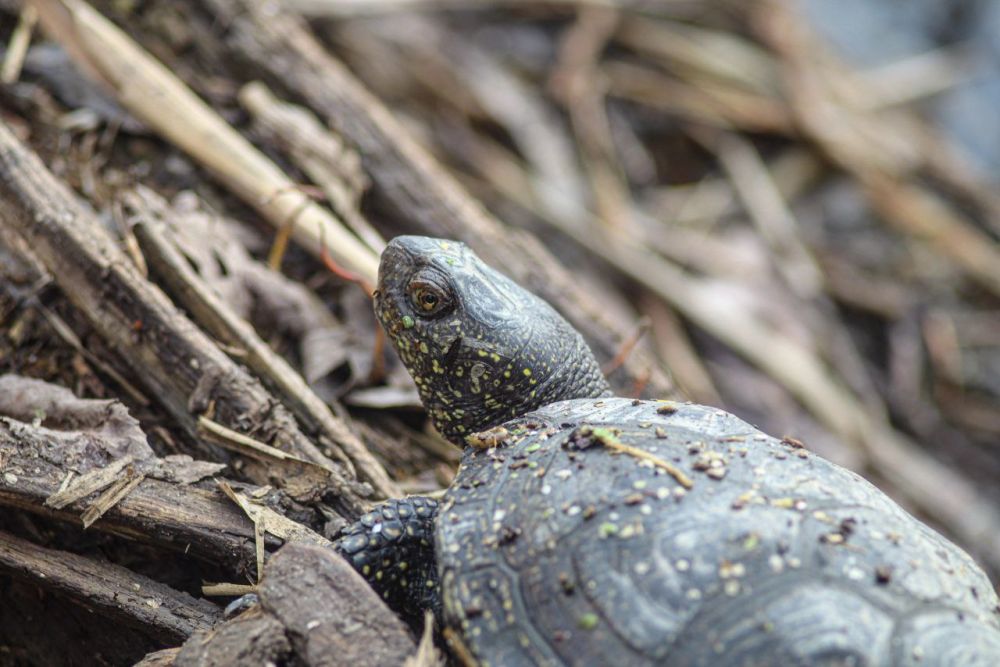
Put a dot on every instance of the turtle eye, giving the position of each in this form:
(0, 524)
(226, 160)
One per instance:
(428, 299)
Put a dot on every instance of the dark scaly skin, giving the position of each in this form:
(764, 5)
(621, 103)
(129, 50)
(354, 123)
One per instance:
(490, 351)
(389, 547)
(552, 549)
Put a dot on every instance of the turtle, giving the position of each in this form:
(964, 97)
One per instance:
(588, 529)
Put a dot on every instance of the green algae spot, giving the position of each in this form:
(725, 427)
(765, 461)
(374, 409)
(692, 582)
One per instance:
(527, 372)
(533, 448)
(588, 621)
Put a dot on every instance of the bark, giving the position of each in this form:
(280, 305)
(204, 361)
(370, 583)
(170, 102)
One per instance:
(163, 614)
(332, 616)
(178, 364)
(170, 515)
(312, 605)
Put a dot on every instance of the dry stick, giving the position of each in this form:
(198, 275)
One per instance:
(676, 349)
(348, 8)
(153, 94)
(219, 319)
(703, 53)
(228, 590)
(484, 83)
(922, 214)
(237, 442)
(406, 178)
(177, 362)
(335, 168)
(883, 152)
(712, 104)
(112, 496)
(123, 596)
(768, 211)
(917, 77)
(18, 47)
(165, 514)
(168, 515)
(608, 439)
(579, 52)
(88, 483)
(792, 259)
(640, 329)
(69, 337)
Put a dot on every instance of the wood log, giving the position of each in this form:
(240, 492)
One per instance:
(178, 364)
(312, 604)
(165, 615)
(173, 516)
(252, 638)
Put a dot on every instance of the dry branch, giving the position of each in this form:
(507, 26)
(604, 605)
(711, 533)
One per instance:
(313, 606)
(153, 94)
(167, 514)
(331, 165)
(36, 459)
(218, 318)
(166, 615)
(178, 364)
(332, 616)
(408, 181)
(886, 152)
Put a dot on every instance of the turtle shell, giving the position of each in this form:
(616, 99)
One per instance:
(620, 532)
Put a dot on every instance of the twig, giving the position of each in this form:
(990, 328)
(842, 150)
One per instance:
(242, 443)
(91, 482)
(219, 319)
(609, 440)
(112, 496)
(412, 185)
(178, 364)
(768, 210)
(320, 153)
(227, 590)
(153, 94)
(20, 39)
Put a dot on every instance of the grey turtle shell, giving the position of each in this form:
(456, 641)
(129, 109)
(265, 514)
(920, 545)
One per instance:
(553, 549)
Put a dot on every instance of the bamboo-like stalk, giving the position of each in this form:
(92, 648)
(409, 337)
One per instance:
(153, 94)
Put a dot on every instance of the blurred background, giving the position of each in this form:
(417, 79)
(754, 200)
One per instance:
(791, 205)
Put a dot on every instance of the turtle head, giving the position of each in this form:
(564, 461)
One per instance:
(480, 348)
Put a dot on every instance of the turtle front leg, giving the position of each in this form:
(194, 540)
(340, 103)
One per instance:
(392, 547)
